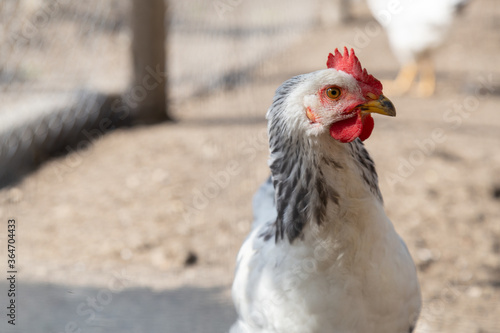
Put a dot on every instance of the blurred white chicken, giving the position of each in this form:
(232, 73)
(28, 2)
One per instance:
(415, 28)
(323, 256)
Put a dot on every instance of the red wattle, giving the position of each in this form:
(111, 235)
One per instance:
(367, 127)
(349, 129)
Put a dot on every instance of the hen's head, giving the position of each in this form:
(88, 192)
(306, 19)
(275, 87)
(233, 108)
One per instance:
(338, 99)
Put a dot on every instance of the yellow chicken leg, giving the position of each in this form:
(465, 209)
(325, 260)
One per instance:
(427, 83)
(402, 84)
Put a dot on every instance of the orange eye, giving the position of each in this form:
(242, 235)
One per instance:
(333, 93)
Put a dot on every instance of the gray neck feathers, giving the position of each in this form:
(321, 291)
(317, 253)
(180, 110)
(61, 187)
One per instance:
(301, 168)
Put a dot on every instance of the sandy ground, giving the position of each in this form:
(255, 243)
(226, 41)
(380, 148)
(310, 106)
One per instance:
(139, 232)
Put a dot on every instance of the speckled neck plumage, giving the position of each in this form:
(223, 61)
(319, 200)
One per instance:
(302, 167)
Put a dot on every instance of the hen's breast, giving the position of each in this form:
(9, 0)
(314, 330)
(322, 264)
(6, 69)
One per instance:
(353, 282)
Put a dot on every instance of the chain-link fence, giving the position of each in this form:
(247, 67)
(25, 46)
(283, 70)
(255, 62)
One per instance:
(61, 61)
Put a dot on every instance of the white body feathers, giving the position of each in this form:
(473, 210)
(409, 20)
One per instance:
(354, 277)
(415, 26)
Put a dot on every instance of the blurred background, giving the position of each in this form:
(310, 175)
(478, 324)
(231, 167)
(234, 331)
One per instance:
(133, 136)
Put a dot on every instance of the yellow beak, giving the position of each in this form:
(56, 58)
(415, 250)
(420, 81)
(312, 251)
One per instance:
(380, 104)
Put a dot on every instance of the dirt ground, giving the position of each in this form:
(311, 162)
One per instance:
(147, 221)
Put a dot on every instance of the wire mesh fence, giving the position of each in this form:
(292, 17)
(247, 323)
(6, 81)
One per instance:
(61, 61)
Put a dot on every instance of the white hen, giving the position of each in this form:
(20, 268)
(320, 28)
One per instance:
(322, 255)
(415, 28)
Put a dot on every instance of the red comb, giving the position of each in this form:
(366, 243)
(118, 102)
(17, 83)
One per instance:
(350, 64)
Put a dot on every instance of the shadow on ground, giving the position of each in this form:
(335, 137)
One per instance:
(50, 308)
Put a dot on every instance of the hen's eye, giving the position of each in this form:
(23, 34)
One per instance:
(333, 93)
